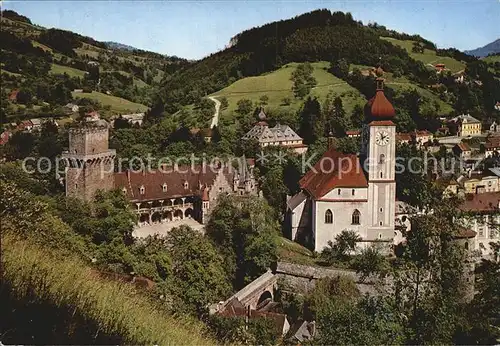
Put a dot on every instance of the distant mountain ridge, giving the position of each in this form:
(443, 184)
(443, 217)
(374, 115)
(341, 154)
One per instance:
(118, 45)
(490, 48)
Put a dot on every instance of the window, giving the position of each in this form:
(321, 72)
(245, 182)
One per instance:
(466, 245)
(355, 217)
(380, 223)
(381, 175)
(381, 209)
(76, 186)
(164, 187)
(328, 216)
(353, 191)
(186, 185)
(142, 190)
(381, 159)
(339, 192)
(124, 190)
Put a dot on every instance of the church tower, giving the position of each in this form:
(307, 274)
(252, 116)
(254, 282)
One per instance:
(89, 161)
(379, 153)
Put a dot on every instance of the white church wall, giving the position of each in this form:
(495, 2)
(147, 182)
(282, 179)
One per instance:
(347, 193)
(342, 220)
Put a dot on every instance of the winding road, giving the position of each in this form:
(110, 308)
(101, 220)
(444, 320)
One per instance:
(215, 119)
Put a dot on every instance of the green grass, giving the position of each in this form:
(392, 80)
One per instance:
(429, 56)
(277, 85)
(492, 59)
(117, 104)
(36, 274)
(44, 47)
(72, 72)
(11, 73)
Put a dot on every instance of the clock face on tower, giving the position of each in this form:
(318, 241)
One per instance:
(382, 138)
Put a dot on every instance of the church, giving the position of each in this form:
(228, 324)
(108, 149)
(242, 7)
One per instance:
(351, 192)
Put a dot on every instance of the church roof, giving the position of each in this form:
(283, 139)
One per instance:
(334, 169)
(379, 107)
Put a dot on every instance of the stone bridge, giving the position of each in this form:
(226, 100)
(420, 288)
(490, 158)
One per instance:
(294, 278)
(252, 294)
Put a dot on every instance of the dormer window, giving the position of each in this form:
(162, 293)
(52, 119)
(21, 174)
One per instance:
(186, 185)
(164, 187)
(124, 190)
(142, 190)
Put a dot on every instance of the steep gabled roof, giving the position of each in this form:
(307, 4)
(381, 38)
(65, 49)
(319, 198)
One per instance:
(334, 169)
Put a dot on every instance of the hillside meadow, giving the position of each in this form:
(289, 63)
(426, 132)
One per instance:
(117, 104)
(277, 86)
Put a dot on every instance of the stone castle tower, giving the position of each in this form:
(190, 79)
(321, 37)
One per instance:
(90, 162)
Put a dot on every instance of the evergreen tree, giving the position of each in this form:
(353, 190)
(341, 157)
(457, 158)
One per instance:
(310, 125)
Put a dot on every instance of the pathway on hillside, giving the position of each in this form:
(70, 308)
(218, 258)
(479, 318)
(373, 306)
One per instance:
(215, 119)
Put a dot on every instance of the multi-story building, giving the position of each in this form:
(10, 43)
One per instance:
(465, 125)
(162, 195)
(279, 135)
(483, 217)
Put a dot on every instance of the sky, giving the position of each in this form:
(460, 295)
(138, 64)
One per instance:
(194, 29)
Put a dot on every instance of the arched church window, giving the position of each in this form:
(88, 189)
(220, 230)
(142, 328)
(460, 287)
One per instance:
(355, 217)
(328, 216)
(339, 192)
(381, 175)
(466, 245)
(381, 159)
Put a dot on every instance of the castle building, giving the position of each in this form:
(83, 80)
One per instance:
(351, 192)
(163, 195)
(279, 135)
(90, 162)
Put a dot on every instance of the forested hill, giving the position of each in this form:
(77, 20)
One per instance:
(35, 60)
(316, 36)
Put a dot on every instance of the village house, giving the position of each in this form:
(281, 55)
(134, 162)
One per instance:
(423, 137)
(497, 106)
(36, 124)
(353, 134)
(484, 219)
(440, 67)
(71, 107)
(279, 135)
(25, 125)
(465, 125)
(462, 150)
(403, 138)
(206, 133)
(494, 127)
(134, 119)
(485, 181)
(491, 146)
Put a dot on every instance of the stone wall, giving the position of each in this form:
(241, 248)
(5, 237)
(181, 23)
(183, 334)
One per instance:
(297, 278)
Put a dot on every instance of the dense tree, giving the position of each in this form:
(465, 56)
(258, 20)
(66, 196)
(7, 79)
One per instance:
(244, 232)
(197, 271)
(310, 120)
(244, 106)
(303, 80)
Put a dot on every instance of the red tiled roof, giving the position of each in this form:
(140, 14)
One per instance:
(24, 124)
(205, 194)
(4, 137)
(325, 177)
(493, 142)
(13, 95)
(153, 182)
(382, 123)
(403, 137)
(353, 133)
(487, 201)
(463, 146)
(465, 233)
